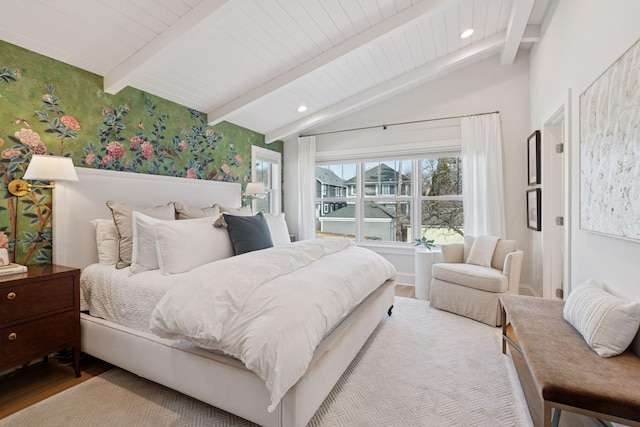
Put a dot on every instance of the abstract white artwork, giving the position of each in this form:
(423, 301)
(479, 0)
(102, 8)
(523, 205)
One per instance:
(610, 150)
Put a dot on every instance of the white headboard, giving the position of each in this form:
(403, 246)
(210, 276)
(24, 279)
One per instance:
(77, 203)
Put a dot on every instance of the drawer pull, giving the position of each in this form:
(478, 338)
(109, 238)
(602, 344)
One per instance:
(11, 295)
(13, 336)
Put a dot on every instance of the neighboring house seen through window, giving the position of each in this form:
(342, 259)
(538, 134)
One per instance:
(391, 200)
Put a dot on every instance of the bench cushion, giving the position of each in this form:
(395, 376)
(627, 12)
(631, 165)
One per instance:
(564, 368)
(472, 276)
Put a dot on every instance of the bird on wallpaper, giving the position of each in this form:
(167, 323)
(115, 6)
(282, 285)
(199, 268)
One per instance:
(18, 120)
(141, 125)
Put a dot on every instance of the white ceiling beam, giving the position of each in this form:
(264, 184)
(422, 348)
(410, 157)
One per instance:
(204, 14)
(518, 18)
(368, 36)
(531, 34)
(390, 87)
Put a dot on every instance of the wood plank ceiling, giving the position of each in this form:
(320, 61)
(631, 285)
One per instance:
(254, 62)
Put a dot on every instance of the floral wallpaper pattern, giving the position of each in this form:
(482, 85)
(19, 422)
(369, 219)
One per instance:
(48, 107)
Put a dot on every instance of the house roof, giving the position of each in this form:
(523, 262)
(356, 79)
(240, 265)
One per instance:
(252, 63)
(327, 176)
(371, 210)
(384, 172)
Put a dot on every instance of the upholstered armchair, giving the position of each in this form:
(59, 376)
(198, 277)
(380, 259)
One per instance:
(473, 276)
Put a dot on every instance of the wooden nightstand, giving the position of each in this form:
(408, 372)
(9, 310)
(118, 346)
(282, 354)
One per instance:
(39, 314)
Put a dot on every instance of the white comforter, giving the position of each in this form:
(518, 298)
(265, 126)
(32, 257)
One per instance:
(271, 308)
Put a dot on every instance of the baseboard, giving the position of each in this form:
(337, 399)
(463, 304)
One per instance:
(405, 278)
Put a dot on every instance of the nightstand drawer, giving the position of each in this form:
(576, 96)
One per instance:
(19, 302)
(33, 339)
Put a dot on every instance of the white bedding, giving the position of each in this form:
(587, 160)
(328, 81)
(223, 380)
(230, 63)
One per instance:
(265, 309)
(120, 297)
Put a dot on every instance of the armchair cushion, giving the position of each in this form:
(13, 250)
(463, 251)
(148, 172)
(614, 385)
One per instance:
(472, 276)
(503, 248)
(482, 250)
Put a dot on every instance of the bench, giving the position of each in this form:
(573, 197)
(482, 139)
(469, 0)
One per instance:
(558, 371)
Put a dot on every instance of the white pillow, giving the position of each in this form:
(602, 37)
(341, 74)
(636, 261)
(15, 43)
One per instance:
(188, 212)
(607, 323)
(185, 245)
(106, 240)
(144, 255)
(278, 229)
(241, 211)
(481, 252)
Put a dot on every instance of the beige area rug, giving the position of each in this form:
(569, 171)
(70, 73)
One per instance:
(421, 367)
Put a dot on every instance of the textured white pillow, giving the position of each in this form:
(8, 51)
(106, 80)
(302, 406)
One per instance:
(185, 245)
(106, 240)
(481, 252)
(607, 323)
(278, 229)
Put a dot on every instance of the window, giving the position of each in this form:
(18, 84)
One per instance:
(265, 168)
(391, 200)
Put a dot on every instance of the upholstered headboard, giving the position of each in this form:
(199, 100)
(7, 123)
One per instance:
(77, 203)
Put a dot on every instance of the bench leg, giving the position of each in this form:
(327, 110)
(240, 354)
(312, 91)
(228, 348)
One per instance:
(556, 417)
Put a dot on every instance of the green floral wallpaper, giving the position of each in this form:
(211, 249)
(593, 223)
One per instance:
(49, 107)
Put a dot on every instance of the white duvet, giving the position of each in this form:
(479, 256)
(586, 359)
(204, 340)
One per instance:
(271, 308)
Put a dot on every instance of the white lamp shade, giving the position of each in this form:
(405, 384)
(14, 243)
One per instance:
(254, 188)
(50, 168)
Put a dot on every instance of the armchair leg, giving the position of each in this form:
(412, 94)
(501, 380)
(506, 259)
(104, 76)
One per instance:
(389, 311)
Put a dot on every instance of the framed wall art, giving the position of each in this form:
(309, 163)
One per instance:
(533, 158)
(610, 150)
(534, 209)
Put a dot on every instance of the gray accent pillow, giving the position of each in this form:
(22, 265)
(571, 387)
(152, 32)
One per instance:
(248, 233)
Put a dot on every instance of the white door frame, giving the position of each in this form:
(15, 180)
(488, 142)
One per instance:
(556, 201)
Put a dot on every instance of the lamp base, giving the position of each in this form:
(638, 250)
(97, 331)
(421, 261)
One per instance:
(18, 187)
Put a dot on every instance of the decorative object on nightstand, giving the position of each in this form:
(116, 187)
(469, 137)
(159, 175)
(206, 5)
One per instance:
(39, 315)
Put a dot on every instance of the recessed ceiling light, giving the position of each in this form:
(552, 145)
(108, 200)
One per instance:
(466, 33)
(302, 109)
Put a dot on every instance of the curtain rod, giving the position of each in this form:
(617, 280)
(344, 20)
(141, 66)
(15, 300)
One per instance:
(385, 126)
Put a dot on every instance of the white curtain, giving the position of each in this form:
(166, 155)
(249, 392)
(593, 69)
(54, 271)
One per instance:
(482, 176)
(307, 187)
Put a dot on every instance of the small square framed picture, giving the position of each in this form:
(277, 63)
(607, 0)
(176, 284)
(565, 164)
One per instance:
(533, 158)
(534, 209)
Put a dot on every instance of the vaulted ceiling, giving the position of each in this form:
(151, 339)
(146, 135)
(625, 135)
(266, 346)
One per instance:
(254, 62)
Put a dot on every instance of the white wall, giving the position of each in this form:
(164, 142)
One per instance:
(482, 87)
(580, 40)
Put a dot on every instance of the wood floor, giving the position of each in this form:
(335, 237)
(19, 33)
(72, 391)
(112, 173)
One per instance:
(28, 385)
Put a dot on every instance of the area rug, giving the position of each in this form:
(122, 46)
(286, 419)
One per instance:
(420, 367)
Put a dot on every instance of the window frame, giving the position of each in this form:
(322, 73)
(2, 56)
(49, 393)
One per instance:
(415, 199)
(259, 154)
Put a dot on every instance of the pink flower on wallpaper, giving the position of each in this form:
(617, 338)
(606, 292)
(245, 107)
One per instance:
(239, 158)
(17, 73)
(106, 160)
(225, 168)
(115, 149)
(32, 140)
(4, 240)
(182, 146)
(106, 111)
(135, 141)
(210, 132)
(9, 153)
(147, 150)
(191, 174)
(70, 122)
(46, 97)
(89, 159)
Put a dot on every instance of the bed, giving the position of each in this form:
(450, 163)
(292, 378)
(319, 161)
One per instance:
(210, 376)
